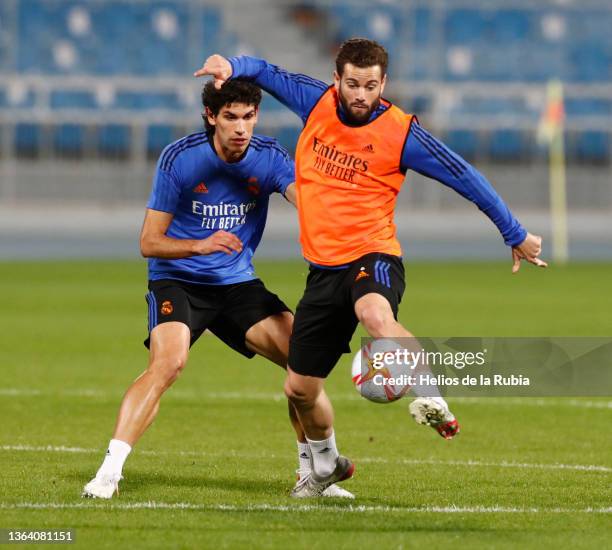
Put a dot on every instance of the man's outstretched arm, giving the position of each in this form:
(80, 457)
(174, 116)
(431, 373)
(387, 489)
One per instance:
(298, 92)
(428, 156)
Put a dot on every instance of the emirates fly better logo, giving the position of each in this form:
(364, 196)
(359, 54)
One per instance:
(223, 215)
(335, 163)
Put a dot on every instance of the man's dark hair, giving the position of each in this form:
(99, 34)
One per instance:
(232, 91)
(362, 53)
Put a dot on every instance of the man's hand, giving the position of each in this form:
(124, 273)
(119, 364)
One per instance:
(221, 241)
(218, 67)
(528, 250)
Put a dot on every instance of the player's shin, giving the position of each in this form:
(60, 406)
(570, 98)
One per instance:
(316, 416)
(295, 423)
(313, 407)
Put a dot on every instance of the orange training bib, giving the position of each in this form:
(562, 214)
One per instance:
(347, 181)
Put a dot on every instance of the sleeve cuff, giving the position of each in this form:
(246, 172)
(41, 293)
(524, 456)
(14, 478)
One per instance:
(235, 63)
(517, 237)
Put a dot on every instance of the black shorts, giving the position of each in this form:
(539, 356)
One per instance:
(325, 318)
(228, 311)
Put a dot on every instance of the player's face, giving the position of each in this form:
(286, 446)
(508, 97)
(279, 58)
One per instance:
(233, 129)
(359, 90)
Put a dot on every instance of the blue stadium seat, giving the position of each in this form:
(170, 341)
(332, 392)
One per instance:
(588, 106)
(464, 26)
(68, 140)
(418, 104)
(593, 147)
(34, 49)
(506, 145)
(146, 100)
(211, 25)
(421, 21)
(288, 137)
(6, 40)
(463, 142)
(72, 99)
(27, 139)
(114, 140)
(590, 62)
(509, 26)
(492, 105)
(158, 136)
(268, 103)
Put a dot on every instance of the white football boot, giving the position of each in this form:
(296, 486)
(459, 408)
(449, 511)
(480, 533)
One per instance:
(102, 486)
(313, 486)
(429, 412)
(334, 490)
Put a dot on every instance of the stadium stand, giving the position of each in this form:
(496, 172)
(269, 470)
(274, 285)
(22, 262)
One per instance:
(75, 76)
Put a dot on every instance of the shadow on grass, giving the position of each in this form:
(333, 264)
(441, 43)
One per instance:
(135, 481)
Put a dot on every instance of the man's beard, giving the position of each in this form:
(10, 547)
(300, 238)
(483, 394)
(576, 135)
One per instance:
(363, 115)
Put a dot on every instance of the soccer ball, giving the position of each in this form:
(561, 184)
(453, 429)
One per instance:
(378, 373)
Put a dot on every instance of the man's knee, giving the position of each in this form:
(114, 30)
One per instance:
(166, 369)
(374, 319)
(300, 392)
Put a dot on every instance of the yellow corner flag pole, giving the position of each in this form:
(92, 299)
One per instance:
(550, 131)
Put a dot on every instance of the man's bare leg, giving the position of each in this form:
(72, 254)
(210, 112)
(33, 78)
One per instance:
(270, 338)
(375, 314)
(168, 354)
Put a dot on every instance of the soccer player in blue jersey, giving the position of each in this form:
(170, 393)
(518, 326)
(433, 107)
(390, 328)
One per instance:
(351, 159)
(204, 220)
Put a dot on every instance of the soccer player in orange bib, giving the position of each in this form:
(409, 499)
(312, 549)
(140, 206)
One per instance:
(351, 160)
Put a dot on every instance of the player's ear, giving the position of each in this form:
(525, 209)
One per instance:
(336, 81)
(210, 117)
(382, 84)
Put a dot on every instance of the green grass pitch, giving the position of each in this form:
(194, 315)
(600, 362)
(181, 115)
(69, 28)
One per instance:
(216, 467)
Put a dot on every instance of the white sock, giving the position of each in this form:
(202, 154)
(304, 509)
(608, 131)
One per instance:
(324, 455)
(116, 455)
(303, 459)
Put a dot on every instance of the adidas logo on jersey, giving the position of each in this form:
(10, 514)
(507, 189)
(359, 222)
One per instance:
(368, 148)
(200, 188)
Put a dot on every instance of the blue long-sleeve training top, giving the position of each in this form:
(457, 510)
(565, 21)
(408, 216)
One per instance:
(422, 152)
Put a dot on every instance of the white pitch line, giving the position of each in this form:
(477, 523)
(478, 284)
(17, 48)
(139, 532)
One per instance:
(533, 402)
(360, 509)
(177, 393)
(380, 460)
(504, 464)
(48, 448)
